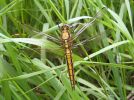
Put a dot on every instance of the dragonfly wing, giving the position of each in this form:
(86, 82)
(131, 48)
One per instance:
(88, 24)
(37, 33)
(87, 40)
(49, 37)
(47, 46)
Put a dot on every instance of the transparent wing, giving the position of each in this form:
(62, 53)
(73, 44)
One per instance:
(87, 40)
(36, 33)
(49, 37)
(48, 46)
(88, 24)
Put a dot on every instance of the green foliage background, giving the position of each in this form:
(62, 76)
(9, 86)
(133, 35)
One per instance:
(33, 68)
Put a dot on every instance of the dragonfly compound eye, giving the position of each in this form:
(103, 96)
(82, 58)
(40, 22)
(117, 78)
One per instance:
(65, 27)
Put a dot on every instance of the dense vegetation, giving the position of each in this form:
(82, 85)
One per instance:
(33, 65)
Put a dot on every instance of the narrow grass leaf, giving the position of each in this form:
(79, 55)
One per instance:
(121, 25)
(84, 82)
(129, 13)
(106, 49)
(56, 11)
(44, 12)
(67, 8)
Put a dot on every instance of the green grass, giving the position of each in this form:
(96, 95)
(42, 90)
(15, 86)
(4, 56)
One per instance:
(33, 67)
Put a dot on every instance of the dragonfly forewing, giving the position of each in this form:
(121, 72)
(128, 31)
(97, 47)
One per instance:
(86, 25)
(38, 34)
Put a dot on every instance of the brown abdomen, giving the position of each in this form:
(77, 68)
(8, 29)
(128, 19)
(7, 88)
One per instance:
(68, 53)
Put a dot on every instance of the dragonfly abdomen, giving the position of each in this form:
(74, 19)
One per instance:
(68, 53)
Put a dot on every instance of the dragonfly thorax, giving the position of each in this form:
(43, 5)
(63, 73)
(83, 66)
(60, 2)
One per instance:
(65, 32)
(65, 35)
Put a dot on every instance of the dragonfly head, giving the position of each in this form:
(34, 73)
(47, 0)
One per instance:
(65, 27)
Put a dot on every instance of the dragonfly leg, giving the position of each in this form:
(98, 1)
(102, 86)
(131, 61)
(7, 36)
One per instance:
(59, 26)
(75, 25)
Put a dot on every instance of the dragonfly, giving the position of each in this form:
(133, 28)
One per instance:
(67, 41)
(67, 44)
